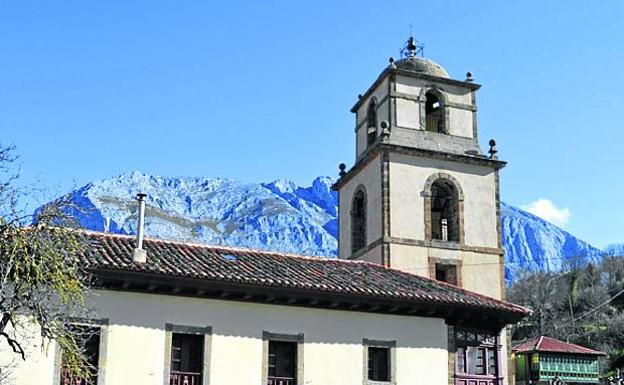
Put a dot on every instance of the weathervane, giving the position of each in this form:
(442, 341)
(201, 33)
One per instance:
(412, 47)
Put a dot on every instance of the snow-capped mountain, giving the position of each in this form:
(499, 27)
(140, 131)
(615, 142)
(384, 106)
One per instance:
(532, 243)
(276, 216)
(281, 216)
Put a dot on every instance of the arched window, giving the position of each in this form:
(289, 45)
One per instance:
(444, 211)
(434, 113)
(371, 122)
(358, 220)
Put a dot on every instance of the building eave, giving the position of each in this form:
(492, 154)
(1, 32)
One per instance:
(149, 283)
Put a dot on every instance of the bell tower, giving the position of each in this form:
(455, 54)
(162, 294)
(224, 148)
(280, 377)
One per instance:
(421, 196)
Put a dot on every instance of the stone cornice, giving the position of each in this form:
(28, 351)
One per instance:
(436, 244)
(387, 71)
(418, 152)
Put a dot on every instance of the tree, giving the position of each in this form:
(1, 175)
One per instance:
(583, 304)
(42, 287)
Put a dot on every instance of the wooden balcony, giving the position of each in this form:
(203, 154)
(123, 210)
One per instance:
(281, 381)
(184, 378)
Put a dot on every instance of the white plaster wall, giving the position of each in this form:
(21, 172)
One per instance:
(408, 114)
(408, 176)
(412, 86)
(460, 122)
(39, 363)
(333, 350)
(373, 255)
(480, 272)
(360, 141)
(370, 178)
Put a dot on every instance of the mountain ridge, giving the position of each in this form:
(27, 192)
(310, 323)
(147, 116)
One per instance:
(282, 216)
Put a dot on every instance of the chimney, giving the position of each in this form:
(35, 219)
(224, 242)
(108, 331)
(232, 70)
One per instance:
(139, 255)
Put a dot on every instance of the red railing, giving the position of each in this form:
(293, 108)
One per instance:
(68, 378)
(184, 378)
(281, 381)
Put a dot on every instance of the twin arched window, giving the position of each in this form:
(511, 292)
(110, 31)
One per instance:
(435, 119)
(358, 220)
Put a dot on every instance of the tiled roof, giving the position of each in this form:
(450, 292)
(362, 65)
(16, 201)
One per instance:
(547, 344)
(263, 269)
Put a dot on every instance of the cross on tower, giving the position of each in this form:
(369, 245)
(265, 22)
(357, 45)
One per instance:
(412, 48)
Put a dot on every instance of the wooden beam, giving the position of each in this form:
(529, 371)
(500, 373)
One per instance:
(429, 313)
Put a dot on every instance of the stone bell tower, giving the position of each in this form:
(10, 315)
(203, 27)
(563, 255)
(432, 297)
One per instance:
(421, 196)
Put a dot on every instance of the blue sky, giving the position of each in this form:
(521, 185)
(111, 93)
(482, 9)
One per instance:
(262, 90)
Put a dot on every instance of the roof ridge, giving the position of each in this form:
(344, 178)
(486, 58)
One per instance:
(569, 343)
(232, 248)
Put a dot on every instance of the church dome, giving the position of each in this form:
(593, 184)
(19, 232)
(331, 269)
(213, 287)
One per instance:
(422, 65)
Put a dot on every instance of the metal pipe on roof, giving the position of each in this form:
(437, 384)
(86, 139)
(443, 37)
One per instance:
(139, 255)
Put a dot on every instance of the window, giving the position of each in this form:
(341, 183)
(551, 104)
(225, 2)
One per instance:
(477, 360)
(358, 221)
(378, 364)
(187, 356)
(461, 359)
(434, 113)
(282, 363)
(492, 362)
(88, 339)
(379, 361)
(444, 211)
(371, 122)
(446, 273)
(476, 353)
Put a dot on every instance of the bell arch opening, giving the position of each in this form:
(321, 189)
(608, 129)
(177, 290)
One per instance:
(358, 220)
(445, 211)
(435, 118)
(371, 122)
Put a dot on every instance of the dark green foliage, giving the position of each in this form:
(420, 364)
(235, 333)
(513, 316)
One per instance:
(582, 304)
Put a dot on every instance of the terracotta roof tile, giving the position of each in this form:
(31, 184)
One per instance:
(547, 344)
(273, 269)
